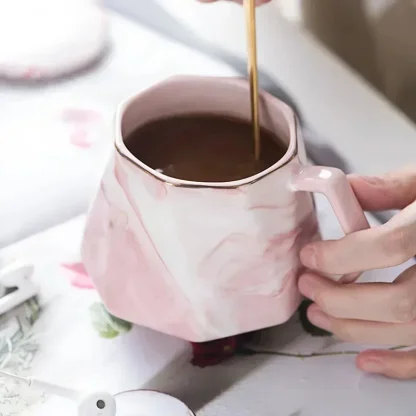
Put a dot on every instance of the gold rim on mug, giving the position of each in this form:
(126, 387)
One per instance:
(199, 185)
(292, 148)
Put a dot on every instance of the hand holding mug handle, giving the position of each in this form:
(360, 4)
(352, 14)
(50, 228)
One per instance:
(333, 183)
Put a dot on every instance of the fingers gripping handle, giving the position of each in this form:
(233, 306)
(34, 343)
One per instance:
(334, 185)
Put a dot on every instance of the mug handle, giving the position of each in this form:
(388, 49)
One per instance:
(333, 183)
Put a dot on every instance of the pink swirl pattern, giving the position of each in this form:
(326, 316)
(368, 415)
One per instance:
(130, 259)
(216, 276)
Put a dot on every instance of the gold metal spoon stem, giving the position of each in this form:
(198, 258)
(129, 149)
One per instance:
(250, 9)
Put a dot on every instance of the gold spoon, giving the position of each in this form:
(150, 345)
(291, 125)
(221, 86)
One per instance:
(250, 9)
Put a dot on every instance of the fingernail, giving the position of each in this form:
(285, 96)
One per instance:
(373, 180)
(349, 278)
(319, 318)
(372, 366)
(307, 286)
(308, 257)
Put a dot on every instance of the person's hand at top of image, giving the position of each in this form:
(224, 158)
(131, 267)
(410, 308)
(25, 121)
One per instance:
(370, 313)
(258, 2)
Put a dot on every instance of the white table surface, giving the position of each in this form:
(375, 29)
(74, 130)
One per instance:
(71, 353)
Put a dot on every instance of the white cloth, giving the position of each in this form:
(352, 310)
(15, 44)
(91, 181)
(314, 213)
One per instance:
(49, 38)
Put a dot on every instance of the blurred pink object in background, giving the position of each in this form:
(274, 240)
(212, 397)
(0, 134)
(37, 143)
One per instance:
(50, 38)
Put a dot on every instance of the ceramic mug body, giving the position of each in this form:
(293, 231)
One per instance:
(203, 261)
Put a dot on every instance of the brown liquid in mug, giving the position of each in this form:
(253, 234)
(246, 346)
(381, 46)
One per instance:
(203, 148)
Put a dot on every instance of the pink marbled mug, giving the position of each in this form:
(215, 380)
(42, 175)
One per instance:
(203, 261)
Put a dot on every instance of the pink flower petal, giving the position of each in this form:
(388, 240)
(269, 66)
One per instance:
(79, 138)
(79, 276)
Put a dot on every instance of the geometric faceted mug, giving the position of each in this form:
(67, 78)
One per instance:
(201, 260)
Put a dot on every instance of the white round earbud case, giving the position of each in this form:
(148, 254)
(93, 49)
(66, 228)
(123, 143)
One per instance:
(101, 403)
(49, 38)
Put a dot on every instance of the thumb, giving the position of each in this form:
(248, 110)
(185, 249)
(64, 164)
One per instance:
(393, 191)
